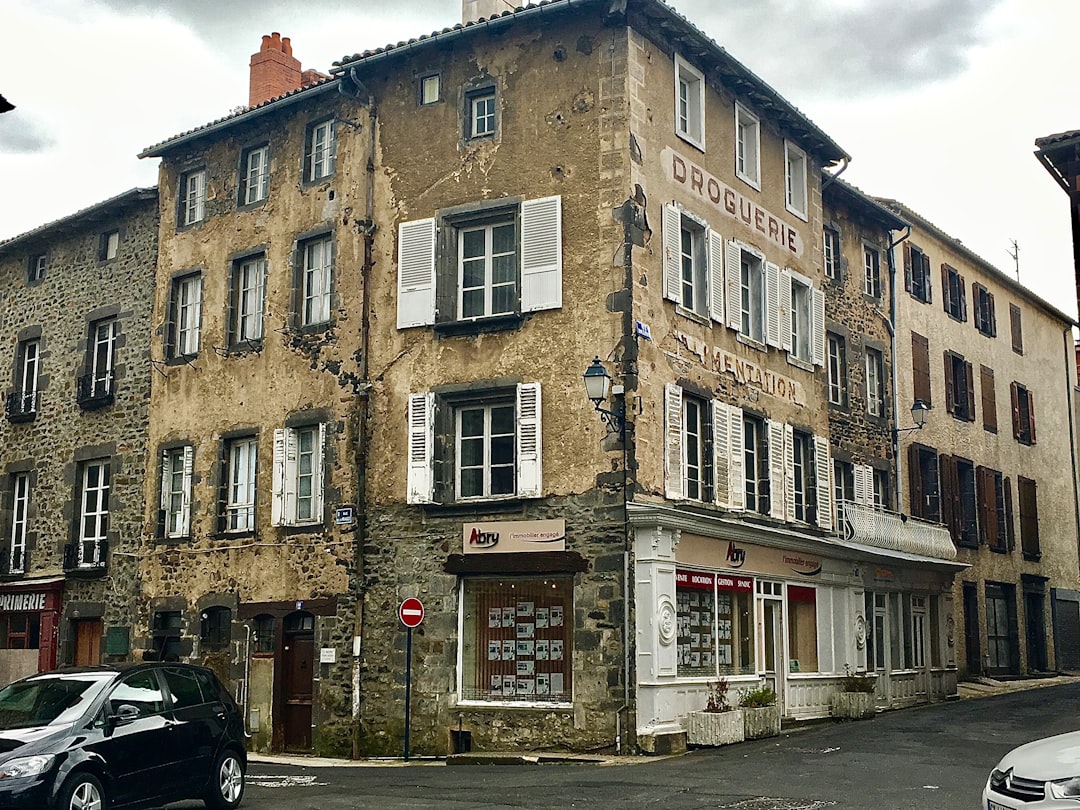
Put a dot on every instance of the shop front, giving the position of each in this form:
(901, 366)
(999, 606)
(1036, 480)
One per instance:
(29, 617)
(763, 605)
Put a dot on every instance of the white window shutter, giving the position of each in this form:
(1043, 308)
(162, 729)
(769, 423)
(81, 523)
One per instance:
(863, 476)
(776, 469)
(185, 495)
(733, 279)
(277, 482)
(291, 477)
(772, 305)
(823, 471)
(166, 475)
(789, 473)
(673, 442)
(785, 309)
(317, 476)
(416, 273)
(196, 318)
(529, 447)
(541, 254)
(420, 484)
(716, 276)
(721, 445)
(818, 335)
(672, 226)
(737, 469)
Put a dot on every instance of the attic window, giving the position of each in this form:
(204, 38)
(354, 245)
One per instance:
(429, 89)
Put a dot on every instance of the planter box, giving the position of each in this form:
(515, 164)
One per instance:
(853, 705)
(763, 721)
(715, 728)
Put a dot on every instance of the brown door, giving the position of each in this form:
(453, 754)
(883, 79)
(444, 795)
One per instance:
(298, 661)
(87, 642)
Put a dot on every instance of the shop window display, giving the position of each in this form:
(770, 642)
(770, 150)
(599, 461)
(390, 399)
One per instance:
(715, 624)
(802, 628)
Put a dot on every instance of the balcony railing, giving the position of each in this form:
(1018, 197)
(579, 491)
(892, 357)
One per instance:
(94, 391)
(21, 406)
(873, 526)
(86, 557)
(12, 566)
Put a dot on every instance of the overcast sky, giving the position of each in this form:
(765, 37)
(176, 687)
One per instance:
(938, 101)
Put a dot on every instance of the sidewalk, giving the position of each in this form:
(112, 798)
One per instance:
(984, 687)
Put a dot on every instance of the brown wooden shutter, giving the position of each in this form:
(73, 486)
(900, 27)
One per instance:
(1017, 330)
(1031, 415)
(946, 292)
(1014, 396)
(950, 514)
(907, 267)
(917, 498)
(950, 390)
(1010, 531)
(989, 399)
(920, 367)
(1029, 517)
(987, 506)
(992, 314)
(926, 277)
(970, 379)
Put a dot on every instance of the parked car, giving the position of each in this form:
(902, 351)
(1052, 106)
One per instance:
(132, 735)
(1042, 775)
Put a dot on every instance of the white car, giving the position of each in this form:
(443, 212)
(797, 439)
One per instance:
(1042, 775)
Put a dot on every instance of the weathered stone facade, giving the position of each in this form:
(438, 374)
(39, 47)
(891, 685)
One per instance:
(59, 283)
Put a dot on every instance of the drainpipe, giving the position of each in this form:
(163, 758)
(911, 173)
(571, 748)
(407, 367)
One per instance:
(831, 178)
(891, 326)
(1070, 391)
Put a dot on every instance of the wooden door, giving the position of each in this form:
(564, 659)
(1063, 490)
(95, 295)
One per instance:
(87, 642)
(298, 661)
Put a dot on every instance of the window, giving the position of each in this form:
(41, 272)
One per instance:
(843, 487)
(985, 320)
(989, 399)
(695, 465)
(429, 89)
(875, 382)
(485, 264)
(192, 197)
(184, 688)
(953, 295)
(238, 477)
(489, 444)
(802, 628)
(920, 368)
(804, 480)
(881, 491)
(923, 489)
(141, 690)
(317, 278)
(795, 179)
(108, 244)
(747, 147)
(176, 479)
(320, 152)
(248, 294)
(93, 504)
(516, 639)
(917, 273)
(297, 487)
(1029, 519)
(185, 316)
(20, 631)
(702, 459)
(959, 503)
(36, 266)
(837, 370)
(959, 387)
(264, 636)
(871, 272)
(756, 464)
(97, 387)
(480, 113)
(689, 103)
(715, 620)
(216, 629)
(20, 518)
(833, 257)
(22, 402)
(1016, 329)
(802, 323)
(693, 270)
(995, 510)
(1023, 414)
(255, 175)
(166, 634)
(752, 295)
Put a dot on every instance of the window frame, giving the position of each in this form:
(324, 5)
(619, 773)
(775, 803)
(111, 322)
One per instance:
(239, 479)
(308, 295)
(254, 185)
(689, 103)
(191, 197)
(93, 516)
(747, 137)
(832, 256)
(177, 476)
(320, 151)
(796, 180)
(804, 480)
(752, 296)
(836, 364)
(248, 302)
(215, 629)
(871, 286)
(959, 387)
(486, 94)
(875, 382)
(801, 307)
(185, 316)
(108, 245)
(1023, 413)
(37, 265)
(917, 273)
(19, 533)
(953, 293)
(299, 457)
(983, 302)
(422, 98)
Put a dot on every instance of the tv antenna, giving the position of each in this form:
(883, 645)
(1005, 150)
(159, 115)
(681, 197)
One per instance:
(1015, 253)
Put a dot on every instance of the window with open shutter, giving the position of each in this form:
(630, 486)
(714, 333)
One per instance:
(673, 438)
(416, 273)
(529, 444)
(777, 467)
(989, 399)
(733, 284)
(541, 254)
(823, 472)
(722, 451)
(176, 481)
(773, 315)
(716, 276)
(420, 481)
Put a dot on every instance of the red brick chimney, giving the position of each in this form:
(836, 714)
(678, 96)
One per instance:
(274, 70)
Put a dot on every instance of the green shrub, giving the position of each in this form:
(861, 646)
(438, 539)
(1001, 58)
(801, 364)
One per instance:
(757, 698)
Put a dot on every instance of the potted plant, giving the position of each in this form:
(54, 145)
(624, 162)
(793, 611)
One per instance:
(719, 723)
(855, 698)
(761, 712)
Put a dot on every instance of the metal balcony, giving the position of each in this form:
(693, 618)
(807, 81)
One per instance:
(13, 566)
(93, 391)
(21, 406)
(874, 526)
(86, 558)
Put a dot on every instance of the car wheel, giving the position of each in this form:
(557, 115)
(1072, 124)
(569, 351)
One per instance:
(226, 787)
(82, 791)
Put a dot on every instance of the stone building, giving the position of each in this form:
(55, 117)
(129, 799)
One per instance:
(995, 461)
(256, 407)
(75, 304)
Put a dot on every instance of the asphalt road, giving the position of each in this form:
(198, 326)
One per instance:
(925, 758)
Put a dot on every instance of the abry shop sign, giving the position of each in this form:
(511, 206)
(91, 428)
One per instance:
(727, 200)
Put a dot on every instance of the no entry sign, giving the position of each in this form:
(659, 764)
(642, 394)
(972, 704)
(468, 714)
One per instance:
(411, 612)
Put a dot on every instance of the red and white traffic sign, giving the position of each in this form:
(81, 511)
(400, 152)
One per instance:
(411, 612)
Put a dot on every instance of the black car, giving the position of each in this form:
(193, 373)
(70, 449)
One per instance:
(132, 735)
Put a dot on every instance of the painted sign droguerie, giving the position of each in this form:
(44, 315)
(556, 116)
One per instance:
(514, 536)
(707, 188)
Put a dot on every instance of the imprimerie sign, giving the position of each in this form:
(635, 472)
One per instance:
(512, 536)
(707, 188)
(744, 371)
(21, 602)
